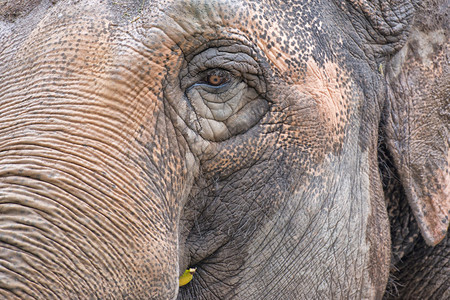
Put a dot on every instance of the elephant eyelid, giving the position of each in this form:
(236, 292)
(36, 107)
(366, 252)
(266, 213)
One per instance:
(218, 67)
(216, 78)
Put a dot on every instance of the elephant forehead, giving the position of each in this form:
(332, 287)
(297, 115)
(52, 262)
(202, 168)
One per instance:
(82, 53)
(71, 43)
(285, 32)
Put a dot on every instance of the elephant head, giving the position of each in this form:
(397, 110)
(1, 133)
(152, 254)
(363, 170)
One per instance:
(142, 138)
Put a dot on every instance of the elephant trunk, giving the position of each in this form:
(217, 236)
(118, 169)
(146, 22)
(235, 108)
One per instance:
(86, 209)
(93, 175)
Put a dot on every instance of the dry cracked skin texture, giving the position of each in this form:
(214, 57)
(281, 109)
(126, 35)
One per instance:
(122, 165)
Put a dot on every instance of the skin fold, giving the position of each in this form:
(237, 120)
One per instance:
(283, 149)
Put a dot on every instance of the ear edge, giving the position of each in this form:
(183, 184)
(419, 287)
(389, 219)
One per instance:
(430, 206)
(416, 120)
(431, 212)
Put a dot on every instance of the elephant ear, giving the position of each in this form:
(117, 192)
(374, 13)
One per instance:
(416, 121)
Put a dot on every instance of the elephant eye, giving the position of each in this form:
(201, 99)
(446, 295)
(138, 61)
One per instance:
(224, 90)
(217, 78)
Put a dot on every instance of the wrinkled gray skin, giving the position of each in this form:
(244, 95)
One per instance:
(287, 149)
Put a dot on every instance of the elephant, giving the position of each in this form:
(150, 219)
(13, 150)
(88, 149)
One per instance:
(280, 149)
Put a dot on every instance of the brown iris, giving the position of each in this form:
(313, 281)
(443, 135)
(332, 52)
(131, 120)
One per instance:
(217, 78)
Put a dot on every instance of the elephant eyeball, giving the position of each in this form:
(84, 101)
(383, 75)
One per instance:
(217, 78)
